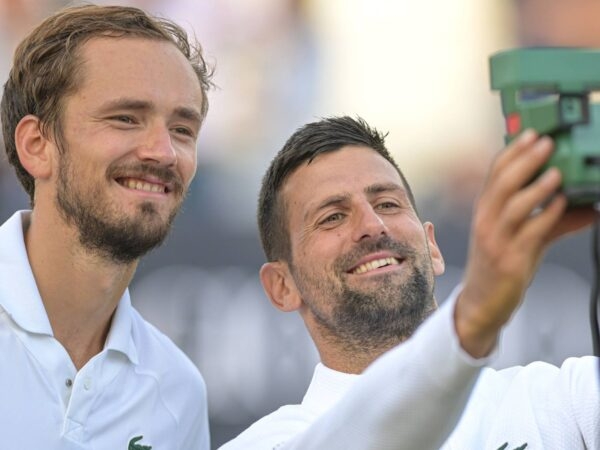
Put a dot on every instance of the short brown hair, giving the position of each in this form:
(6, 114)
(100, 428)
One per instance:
(46, 64)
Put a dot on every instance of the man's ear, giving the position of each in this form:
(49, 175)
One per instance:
(279, 286)
(33, 148)
(437, 260)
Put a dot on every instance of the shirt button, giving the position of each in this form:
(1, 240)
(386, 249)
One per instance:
(68, 382)
(87, 383)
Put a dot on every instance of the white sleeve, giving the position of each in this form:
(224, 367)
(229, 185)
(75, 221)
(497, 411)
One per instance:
(410, 398)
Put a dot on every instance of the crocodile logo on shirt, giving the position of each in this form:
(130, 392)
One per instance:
(134, 446)
(505, 446)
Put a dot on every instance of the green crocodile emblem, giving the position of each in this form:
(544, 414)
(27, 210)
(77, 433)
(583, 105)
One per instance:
(134, 446)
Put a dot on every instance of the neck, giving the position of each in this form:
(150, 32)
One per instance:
(350, 358)
(80, 290)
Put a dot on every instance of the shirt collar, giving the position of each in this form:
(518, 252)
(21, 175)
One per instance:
(120, 336)
(327, 387)
(20, 298)
(19, 295)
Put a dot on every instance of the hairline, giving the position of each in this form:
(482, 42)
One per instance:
(281, 203)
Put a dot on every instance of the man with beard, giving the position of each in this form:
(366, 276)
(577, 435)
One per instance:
(101, 114)
(347, 250)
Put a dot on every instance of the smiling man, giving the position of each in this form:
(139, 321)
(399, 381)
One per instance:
(357, 296)
(100, 114)
(347, 250)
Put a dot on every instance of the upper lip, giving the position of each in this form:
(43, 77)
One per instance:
(374, 257)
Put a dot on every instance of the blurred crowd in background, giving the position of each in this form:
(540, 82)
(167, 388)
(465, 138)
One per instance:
(417, 70)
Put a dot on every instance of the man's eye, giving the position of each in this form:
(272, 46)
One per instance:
(387, 205)
(184, 131)
(336, 217)
(124, 119)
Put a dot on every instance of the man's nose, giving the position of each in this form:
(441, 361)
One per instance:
(369, 224)
(158, 146)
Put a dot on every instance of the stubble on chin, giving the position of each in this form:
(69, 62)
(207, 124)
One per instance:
(106, 231)
(378, 315)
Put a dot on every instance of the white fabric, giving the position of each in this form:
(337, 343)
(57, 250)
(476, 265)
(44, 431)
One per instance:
(540, 405)
(139, 385)
(412, 397)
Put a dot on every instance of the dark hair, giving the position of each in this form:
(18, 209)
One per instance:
(46, 63)
(309, 141)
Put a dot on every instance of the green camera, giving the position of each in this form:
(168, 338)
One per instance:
(556, 91)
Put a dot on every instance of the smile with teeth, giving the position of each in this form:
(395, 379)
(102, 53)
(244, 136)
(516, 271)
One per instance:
(375, 264)
(141, 185)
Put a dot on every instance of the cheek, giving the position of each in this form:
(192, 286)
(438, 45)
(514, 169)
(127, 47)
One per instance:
(319, 257)
(188, 163)
(410, 229)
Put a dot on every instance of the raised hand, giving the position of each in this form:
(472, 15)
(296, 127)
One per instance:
(515, 220)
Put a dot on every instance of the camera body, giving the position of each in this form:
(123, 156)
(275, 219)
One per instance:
(556, 91)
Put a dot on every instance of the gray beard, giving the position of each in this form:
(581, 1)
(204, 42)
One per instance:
(364, 322)
(375, 320)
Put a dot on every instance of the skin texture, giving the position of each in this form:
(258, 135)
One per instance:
(166, 157)
(136, 116)
(334, 212)
(344, 209)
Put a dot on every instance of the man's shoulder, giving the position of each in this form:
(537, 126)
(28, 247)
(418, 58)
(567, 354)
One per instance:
(158, 354)
(576, 376)
(541, 402)
(177, 381)
(574, 366)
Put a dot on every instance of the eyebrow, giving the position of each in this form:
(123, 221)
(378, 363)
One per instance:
(377, 188)
(126, 103)
(329, 201)
(131, 104)
(188, 114)
(373, 189)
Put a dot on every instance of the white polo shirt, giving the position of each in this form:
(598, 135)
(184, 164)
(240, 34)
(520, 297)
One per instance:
(140, 392)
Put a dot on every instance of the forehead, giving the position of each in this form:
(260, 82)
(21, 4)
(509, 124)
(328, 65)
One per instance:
(137, 67)
(348, 171)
